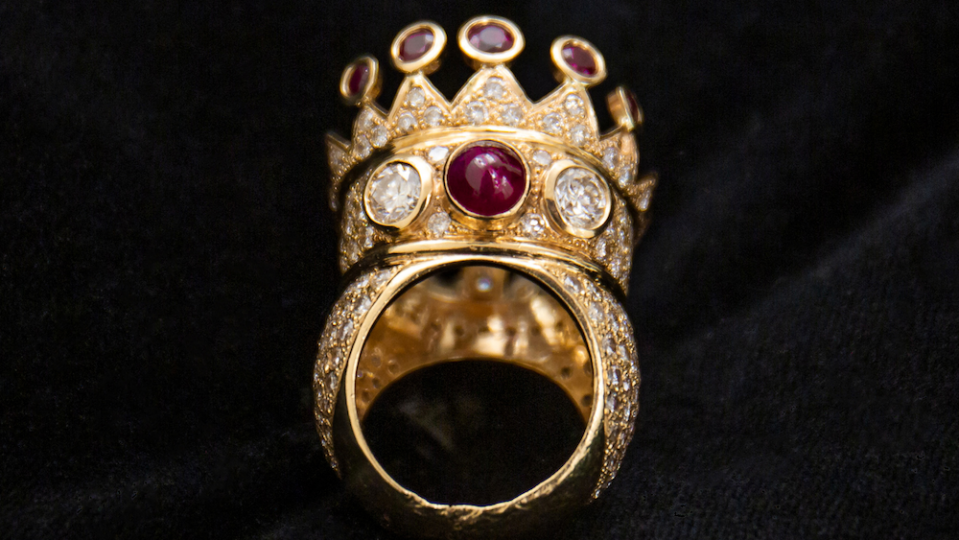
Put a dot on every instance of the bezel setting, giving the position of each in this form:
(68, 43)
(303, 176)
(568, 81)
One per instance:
(429, 61)
(480, 221)
(553, 210)
(477, 58)
(425, 172)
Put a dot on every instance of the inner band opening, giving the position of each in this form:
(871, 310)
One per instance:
(474, 386)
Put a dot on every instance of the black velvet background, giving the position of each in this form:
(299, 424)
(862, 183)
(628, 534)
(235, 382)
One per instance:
(166, 259)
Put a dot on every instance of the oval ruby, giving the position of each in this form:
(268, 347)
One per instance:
(490, 38)
(486, 180)
(358, 78)
(415, 45)
(581, 60)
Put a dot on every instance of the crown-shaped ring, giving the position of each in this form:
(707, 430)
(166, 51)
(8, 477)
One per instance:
(490, 165)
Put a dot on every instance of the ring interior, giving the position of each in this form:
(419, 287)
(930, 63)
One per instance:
(475, 313)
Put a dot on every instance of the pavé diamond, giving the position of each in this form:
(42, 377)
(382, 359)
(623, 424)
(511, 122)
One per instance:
(433, 116)
(439, 223)
(574, 105)
(578, 134)
(476, 112)
(494, 89)
(380, 137)
(362, 147)
(552, 123)
(531, 225)
(415, 98)
(406, 122)
(610, 157)
(438, 154)
(542, 157)
(582, 198)
(394, 193)
(512, 115)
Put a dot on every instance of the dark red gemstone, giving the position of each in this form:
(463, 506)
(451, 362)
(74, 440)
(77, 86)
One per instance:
(490, 38)
(634, 110)
(581, 60)
(486, 180)
(416, 45)
(358, 78)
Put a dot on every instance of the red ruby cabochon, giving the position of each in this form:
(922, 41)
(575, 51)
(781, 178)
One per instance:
(487, 180)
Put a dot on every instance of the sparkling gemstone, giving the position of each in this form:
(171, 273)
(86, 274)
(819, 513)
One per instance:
(494, 89)
(572, 284)
(365, 120)
(476, 112)
(601, 247)
(368, 237)
(574, 105)
(486, 179)
(512, 115)
(363, 305)
(578, 134)
(644, 200)
(610, 157)
(625, 177)
(394, 193)
(433, 116)
(532, 225)
(346, 330)
(415, 45)
(362, 147)
(596, 313)
(358, 78)
(438, 154)
(581, 60)
(490, 38)
(406, 122)
(581, 197)
(542, 157)
(415, 98)
(552, 123)
(381, 278)
(380, 137)
(438, 223)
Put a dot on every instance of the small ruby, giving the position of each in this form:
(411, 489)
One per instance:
(634, 110)
(580, 59)
(490, 38)
(358, 78)
(486, 180)
(416, 45)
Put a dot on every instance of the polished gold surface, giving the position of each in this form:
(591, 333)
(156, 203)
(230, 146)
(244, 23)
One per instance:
(475, 312)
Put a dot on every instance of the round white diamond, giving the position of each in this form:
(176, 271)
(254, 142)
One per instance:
(380, 136)
(574, 105)
(438, 154)
(552, 123)
(644, 200)
(542, 157)
(406, 122)
(362, 306)
(512, 115)
(601, 247)
(476, 112)
(433, 116)
(415, 98)
(610, 157)
(362, 147)
(625, 178)
(494, 89)
(596, 313)
(578, 134)
(582, 198)
(394, 193)
(438, 223)
(532, 225)
(365, 121)
(368, 237)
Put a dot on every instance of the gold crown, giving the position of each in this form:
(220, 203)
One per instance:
(490, 167)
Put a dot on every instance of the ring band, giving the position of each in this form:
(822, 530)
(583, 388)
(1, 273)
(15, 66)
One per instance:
(438, 274)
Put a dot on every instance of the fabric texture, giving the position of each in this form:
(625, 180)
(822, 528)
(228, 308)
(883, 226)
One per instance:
(167, 258)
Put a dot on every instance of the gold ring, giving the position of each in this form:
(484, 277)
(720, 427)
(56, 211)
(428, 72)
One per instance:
(486, 227)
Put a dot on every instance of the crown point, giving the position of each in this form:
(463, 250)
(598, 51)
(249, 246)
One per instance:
(417, 48)
(624, 108)
(577, 59)
(489, 41)
(361, 81)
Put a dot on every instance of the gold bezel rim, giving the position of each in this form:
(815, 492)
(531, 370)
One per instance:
(424, 169)
(475, 56)
(552, 208)
(479, 221)
(618, 103)
(427, 63)
(369, 90)
(556, 53)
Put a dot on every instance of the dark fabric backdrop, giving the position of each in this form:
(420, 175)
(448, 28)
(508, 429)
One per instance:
(167, 259)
